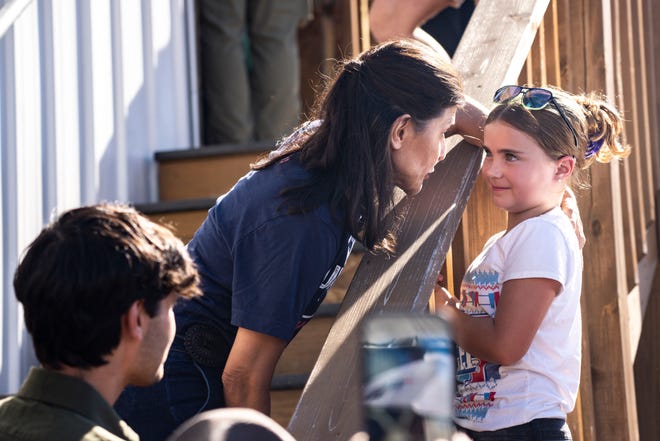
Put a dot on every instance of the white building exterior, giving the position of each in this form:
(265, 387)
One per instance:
(89, 90)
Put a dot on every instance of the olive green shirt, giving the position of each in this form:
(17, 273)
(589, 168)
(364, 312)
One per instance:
(52, 406)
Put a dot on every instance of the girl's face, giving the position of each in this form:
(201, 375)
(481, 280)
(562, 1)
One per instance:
(524, 180)
(415, 151)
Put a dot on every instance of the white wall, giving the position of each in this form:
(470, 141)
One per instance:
(89, 90)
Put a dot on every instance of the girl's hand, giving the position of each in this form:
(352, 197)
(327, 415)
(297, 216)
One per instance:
(570, 208)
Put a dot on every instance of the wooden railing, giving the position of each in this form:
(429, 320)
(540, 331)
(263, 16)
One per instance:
(581, 45)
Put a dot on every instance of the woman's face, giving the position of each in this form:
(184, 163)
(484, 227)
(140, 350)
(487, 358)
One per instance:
(417, 149)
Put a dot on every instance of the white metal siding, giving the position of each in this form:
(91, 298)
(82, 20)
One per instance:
(89, 90)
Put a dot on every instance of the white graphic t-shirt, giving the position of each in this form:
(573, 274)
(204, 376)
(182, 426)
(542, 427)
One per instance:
(544, 383)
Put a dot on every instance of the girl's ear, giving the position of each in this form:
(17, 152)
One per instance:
(565, 167)
(398, 131)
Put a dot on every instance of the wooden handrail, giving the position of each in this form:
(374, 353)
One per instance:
(10, 12)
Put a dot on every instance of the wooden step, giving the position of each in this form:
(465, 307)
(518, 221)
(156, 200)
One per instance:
(301, 354)
(183, 217)
(283, 403)
(206, 172)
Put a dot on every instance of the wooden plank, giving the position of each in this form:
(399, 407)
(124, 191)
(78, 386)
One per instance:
(283, 404)
(301, 354)
(365, 30)
(356, 46)
(647, 368)
(182, 223)
(652, 14)
(630, 96)
(202, 177)
(539, 64)
(312, 39)
(497, 31)
(572, 40)
(647, 361)
(644, 120)
(590, 57)
(553, 64)
(627, 193)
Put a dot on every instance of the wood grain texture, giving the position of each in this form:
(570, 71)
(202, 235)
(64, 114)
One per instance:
(184, 223)
(301, 354)
(284, 402)
(647, 367)
(604, 276)
(203, 177)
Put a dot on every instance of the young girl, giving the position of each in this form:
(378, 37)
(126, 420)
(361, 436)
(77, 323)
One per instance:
(518, 324)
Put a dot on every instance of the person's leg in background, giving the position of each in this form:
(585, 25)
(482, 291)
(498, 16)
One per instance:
(225, 86)
(275, 75)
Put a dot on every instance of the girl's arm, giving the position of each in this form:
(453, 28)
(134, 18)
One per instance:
(506, 338)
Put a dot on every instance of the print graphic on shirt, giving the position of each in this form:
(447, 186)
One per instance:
(328, 280)
(477, 379)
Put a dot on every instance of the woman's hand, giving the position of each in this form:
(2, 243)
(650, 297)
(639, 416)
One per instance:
(470, 121)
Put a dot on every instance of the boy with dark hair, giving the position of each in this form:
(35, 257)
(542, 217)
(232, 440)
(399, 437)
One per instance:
(97, 287)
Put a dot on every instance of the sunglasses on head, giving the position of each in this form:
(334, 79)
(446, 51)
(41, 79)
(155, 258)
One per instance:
(533, 98)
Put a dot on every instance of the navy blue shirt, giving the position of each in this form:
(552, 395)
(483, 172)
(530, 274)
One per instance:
(261, 268)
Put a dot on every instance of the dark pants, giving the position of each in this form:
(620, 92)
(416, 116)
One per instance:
(186, 389)
(541, 429)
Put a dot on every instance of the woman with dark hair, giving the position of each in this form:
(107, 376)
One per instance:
(272, 246)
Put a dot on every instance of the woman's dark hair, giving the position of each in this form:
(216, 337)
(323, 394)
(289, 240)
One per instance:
(85, 270)
(349, 153)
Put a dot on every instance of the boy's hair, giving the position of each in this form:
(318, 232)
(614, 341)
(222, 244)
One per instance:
(85, 270)
(349, 152)
(595, 121)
